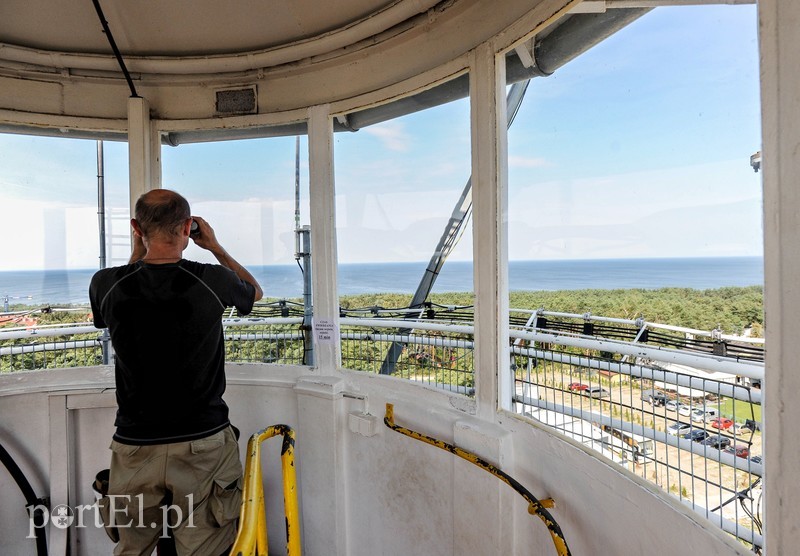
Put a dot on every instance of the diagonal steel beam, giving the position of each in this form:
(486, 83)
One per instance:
(452, 233)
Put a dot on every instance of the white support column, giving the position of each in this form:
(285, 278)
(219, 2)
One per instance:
(489, 230)
(140, 137)
(327, 349)
(780, 106)
(321, 457)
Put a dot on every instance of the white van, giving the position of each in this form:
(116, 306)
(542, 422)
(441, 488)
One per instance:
(704, 414)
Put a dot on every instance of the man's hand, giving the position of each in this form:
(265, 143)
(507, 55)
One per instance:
(205, 238)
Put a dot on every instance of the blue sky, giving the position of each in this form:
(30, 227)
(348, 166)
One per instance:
(639, 148)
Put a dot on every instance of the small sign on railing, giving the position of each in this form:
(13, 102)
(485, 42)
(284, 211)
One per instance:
(325, 331)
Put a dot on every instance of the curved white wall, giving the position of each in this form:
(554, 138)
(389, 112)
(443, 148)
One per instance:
(360, 493)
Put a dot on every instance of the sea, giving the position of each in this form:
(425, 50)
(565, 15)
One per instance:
(53, 287)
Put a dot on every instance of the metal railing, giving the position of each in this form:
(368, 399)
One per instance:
(50, 346)
(662, 442)
(275, 340)
(606, 386)
(713, 342)
(662, 401)
(435, 354)
(278, 340)
(610, 394)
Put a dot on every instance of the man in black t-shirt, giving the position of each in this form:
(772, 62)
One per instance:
(175, 461)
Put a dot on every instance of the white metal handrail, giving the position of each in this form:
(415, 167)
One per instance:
(718, 363)
(750, 369)
(641, 323)
(47, 331)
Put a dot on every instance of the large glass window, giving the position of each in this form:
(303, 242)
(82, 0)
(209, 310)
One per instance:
(404, 242)
(635, 246)
(52, 244)
(247, 191)
(49, 225)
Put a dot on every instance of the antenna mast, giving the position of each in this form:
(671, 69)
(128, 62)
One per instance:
(302, 250)
(297, 193)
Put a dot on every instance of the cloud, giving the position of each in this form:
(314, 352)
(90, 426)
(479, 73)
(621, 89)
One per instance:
(392, 135)
(527, 162)
(49, 235)
(713, 230)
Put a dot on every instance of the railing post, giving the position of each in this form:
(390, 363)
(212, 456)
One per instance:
(105, 346)
(304, 240)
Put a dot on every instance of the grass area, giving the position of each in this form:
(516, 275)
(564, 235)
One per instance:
(743, 410)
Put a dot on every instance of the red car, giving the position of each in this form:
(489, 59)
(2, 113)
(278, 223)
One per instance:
(739, 451)
(722, 423)
(577, 386)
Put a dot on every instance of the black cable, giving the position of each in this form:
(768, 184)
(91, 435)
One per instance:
(34, 504)
(303, 358)
(739, 495)
(113, 44)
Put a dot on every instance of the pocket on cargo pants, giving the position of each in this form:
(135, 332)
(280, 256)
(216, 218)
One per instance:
(226, 500)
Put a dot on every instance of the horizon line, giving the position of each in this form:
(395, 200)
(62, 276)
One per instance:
(292, 264)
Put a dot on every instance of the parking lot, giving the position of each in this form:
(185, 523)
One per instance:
(697, 476)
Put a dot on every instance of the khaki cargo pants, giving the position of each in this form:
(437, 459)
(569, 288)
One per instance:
(192, 488)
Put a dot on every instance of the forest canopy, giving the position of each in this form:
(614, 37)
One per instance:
(732, 309)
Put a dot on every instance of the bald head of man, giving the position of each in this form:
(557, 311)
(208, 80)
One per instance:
(163, 214)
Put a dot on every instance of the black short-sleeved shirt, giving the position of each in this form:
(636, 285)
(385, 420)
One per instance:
(166, 328)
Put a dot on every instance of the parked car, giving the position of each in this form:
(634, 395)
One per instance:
(696, 435)
(717, 441)
(704, 414)
(577, 386)
(596, 392)
(757, 459)
(741, 428)
(654, 397)
(722, 423)
(738, 450)
(682, 408)
(679, 429)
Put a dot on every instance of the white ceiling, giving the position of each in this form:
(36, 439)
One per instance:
(58, 73)
(189, 27)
